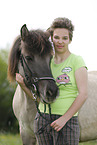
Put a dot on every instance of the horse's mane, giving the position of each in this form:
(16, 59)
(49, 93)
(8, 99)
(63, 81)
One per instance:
(37, 42)
(13, 59)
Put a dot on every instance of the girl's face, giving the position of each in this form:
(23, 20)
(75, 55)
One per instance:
(61, 40)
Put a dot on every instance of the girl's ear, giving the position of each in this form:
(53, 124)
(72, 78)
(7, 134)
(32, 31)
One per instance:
(69, 41)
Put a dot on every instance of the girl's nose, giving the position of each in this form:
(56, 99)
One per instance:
(60, 41)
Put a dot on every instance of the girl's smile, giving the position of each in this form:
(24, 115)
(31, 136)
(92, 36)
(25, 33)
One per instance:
(61, 39)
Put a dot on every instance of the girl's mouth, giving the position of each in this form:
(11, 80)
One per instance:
(59, 46)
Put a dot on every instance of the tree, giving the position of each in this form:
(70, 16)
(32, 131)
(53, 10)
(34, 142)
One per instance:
(7, 118)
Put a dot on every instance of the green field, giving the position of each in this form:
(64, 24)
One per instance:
(9, 139)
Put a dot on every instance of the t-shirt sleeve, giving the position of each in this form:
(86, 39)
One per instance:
(79, 62)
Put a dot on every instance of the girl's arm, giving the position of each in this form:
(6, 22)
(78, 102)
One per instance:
(81, 80)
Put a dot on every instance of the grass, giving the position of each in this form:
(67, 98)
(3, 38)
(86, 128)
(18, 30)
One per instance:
(11, 139)
(94, 142)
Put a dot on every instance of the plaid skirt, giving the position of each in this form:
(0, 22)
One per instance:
(46, 135)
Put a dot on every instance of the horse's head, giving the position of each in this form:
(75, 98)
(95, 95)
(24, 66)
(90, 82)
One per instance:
(33, 60)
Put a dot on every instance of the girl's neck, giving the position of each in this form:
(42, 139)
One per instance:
(59, 58)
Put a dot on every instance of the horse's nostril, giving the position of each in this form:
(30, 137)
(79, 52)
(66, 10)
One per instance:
(49, 93)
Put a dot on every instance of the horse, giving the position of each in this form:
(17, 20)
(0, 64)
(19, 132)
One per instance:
(88, 112)
(30, 56)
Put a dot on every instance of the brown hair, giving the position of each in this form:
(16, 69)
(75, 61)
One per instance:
(62, 23)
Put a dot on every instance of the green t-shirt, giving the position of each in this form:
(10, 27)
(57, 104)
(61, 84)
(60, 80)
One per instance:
(64, 74)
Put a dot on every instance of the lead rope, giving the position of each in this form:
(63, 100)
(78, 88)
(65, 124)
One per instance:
(40, 112)
(42, 129)
(49, 106)
(54, 142)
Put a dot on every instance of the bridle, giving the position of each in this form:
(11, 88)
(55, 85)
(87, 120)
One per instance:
(34, 80)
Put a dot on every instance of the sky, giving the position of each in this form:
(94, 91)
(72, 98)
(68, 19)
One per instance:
(39, 14)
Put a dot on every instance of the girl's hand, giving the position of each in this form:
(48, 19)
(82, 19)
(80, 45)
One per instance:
(20, 79)
(58, 124)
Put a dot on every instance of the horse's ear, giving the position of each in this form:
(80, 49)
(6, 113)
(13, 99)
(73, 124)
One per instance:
(24, 32)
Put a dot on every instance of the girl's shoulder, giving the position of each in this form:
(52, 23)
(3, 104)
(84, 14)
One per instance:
(78, 61)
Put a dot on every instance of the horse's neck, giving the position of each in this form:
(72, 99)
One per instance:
(29, 104)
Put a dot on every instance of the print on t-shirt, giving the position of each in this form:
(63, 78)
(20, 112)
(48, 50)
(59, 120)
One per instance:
(64, 79)
(66, 69)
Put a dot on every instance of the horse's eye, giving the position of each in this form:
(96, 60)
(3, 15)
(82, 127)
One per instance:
(29, 58)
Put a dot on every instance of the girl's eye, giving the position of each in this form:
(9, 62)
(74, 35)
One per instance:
(56, 37)
(29, 58)
(65, 38)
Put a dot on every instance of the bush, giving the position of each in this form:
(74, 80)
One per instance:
(7, 119)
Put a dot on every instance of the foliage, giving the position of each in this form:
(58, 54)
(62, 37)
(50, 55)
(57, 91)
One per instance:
(7, 119)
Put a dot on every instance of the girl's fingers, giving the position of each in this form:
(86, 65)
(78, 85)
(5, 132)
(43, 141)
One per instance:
(19, 78)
